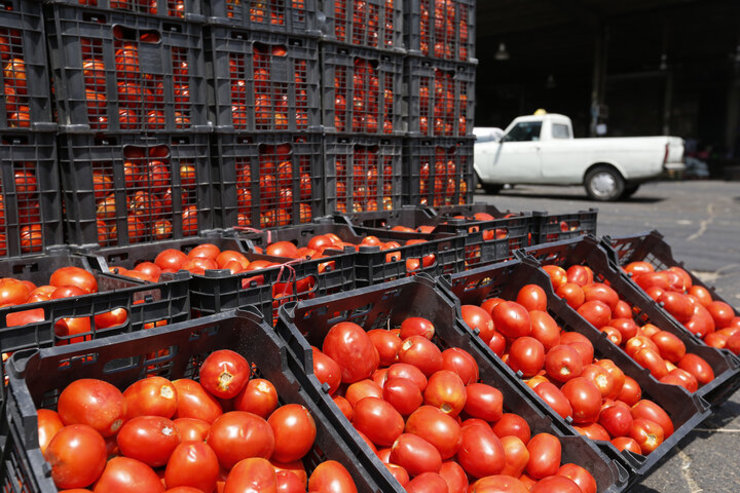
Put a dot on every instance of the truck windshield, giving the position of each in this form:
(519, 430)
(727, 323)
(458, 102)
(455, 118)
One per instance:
(524, 132)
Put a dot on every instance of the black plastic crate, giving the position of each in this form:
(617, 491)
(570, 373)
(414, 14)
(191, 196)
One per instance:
(181, 9)
(386, 306)
(468, 210)
(555, 227)
(438, 171)
(362, 90)
(30, 192)
(505, 279)
(268, 180)
(440, 98)
(24, 85)
(37, 379)
(363, 173)
(263, 81)
(116, 71)
(586, 250)
(441, 28)
(126, 189)
(367, 23)
(281, 16)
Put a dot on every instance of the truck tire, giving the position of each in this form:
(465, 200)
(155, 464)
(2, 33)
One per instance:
(604, 183)
(489, 188)
(629, 191)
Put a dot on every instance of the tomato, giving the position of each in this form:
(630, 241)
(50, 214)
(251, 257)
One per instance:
(170, 259)
(286, 473)
(252, 474)
(698, 367)
(224, 373)
(484, 402)
(192, 429)
(544, 329)
(517, 456)
(362, 389)
(512, 425)
(554, 398)
(532, 297)
(49, 423)
(411, 372)
(378, 420)
(92, 402)
(497, 344)
(601, 292)
(701, 294)
(511, 319)
(563, 362)
(446, 391)
(596, 312)
(326, 370)
(601, 378)
(237, 435)
(555, 484)
(579, 274)
(701, 322)
(622, 310)
(721, 313)
(192, 464)
(387, 344)
(526, 355)
(638, 267)
(462, 363)
(417, 326)
(421, 353)
(149, 439)
(437, 428)
(648, 434)
(194, 402)
(630, 392)
(649, 410)
(544, 455)
(572, 294)
(415, 454)
(331, 477)
(616, 420)
(428, 482)
(350, 346)
(226, 256)
(489, 304)
(677, 305)
(670, 346)
(282, 249)
(481, 452)
(125, 475)
(113, 318)
(206, 250)
(683, 378)
(626, 443)
(403, 394)
(580, 476)
(585, 399)
(650, 358)
(455, 477)
(626, 327)
(77, 456)
(74, 276)
(153, 396)
(499, 483)
(257, 397)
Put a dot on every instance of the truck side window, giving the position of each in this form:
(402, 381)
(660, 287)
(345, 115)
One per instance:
(560, 131)
(524, 132)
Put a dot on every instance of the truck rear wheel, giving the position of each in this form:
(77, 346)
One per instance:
(604, 183)
(489, 188)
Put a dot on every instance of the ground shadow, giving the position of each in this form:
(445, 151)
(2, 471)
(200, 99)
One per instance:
(579, 198)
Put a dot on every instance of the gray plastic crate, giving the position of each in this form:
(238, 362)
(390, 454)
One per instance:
(440, 29)
(438, 171)
(280, 16)
(374, 24)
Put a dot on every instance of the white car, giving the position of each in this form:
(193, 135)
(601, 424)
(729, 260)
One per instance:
(540, 149)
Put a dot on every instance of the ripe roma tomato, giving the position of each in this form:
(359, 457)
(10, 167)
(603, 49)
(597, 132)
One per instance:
(331, 476)
(428, 482)
(149, 439)
(554, 398)
(462, 363)
(511, 319)
(251, 474)
(532, 297)
(446, 391)
(580, 476)
(478, 318)
(49, 424)
(326, 370)
(415, 454)
(484, 401)
(153, 396)
(192, 464)
(437, 428)
(563, 363)
(238, 435)
(258, 397)
(481, 453)
(192, 429)
(526, 355)
(544, 455)
(414, 326)
(378, 420)
(74, 276)
(92, 402)
(512, 425)
(77, 456)
(584, 397)
(648, 434)
(224, 373)
(294, 430)
(697, 366)
(350, 346)
(403, 394)
(194, 402)
(387, 344)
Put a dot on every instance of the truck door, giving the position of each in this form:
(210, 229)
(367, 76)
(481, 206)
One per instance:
(518, 155)
(557, 154)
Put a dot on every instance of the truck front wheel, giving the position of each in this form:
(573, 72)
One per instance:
(604, 183)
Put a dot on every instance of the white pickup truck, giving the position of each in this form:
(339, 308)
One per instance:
(540, 149)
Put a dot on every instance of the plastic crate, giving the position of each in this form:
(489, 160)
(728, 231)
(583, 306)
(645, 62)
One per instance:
(37, 379)
(505, 279)
(441, 98)
(263, 81)
(367, 23)
(126, 189)
(282, 16)
(438, 171)
(363, 173)
(268, 180)
(441, 28)
(386, 306)
(25, 81)
(30, 192)
(586, 250)
(362, 90)
(555, 227)
(181, 9)
(116, 71)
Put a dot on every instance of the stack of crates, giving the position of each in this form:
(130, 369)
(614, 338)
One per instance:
(440, 87)
(362, 62)
(129, 83)
(265, 103)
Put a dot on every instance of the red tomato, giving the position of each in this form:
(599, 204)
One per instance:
(77, 456)
(252, 474)
(478, 319)
(649, 410)
(596, 312)
(149, 439)
(499, 483)
(153, 396)
(532, 297)
(237, 435)
(437, 428)
(417, 326)
(294, 469)
(462, 363)
(650, 358)
(544, 455)
(124, 475)
(554, 398)
(563, 363)
(455, 477)
(205, 250)
(484, 402)
(257, 397)
(697, 366)
(331, 476)
(428, 482)
(630, 392)
(74, 276)
(92, 402)
(511, 319)
(616, 420)
(638, 267)
(350, 346)
(49, 423)
(194, 402)
(170, 259)
(580, 274)
(387, 344)
(421, 353)
(584, 397)
(648, 434)
(622, 310)
(580, 476)
(601, 292)
(378, 420)
(497, 344)
(721, 313)
(600, 377)
(626, 327)
(326, 370)
(677, 305)
(192, 429)
(512, 425)
(446, 391)
(224, 373)
(626, 443)
(544, 329)
(555, 484)
(517, 456)
(572, 294)
(526, 355)
(481, 453)
(192, 464)
(403, 394)
(415, 454)
(411, 372)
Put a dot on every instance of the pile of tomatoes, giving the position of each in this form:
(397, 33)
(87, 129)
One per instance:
(445, 24)
(361, 174)
(364, 25)
(176, 8)
(151, 196)
(17, 111)
(369, 89)
(226, 432)
(428, 418)
(438, 176)
(691, 305)
(273, 93)
(603, 402)
(27, 200)
(443, 101)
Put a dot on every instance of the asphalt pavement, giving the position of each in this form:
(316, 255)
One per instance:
(701, 222)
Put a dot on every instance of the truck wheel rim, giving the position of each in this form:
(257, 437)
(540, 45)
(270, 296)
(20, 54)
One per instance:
(603, 184)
